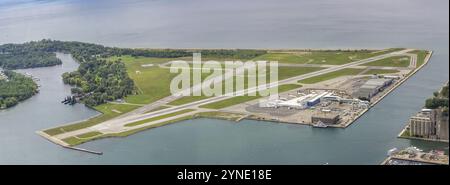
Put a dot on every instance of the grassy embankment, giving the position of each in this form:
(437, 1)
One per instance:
(421, 54)
(108, 111)
(76, 140)
(380, 71)
(152, 83)
(323, 57)
(72, 141)
(344, 72)
(396, 61)
(241, 99)
(219, 115)
(405, 133)
(400, 61)
(158, 117)
(144, 81)
(82, 138)
(283, 73)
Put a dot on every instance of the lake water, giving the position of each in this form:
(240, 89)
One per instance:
(220, 24)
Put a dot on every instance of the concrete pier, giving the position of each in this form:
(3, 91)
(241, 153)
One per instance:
(64, 144)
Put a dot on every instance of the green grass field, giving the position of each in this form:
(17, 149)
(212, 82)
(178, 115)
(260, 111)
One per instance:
(421, 54)
(406, 133)
(396, 61)
(89, 135)
(328, 76)
(72, 141)
(283, 73)
(241, 99)
(323, 57)
(284, 58)
(219, 115)
(380, 71)
(108, 111)
(152, 82)
(82, 138)
(159, 117)
(158, 108)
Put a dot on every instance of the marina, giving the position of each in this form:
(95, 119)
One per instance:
(415, 156)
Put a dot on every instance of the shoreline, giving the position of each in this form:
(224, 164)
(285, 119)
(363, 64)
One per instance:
(400, 135)
(384, 94)
(255, 117)
(424, 162)
(427, 58)
(34, 79)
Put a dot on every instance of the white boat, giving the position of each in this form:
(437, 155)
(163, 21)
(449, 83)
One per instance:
(320, 124)
(392, 151)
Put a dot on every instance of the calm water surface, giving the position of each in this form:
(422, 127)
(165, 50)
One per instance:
(220, 24)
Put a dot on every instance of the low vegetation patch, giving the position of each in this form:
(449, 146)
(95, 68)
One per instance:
(380, 71)
(158, 108)
(396, 61)
(89, 135)
(283, 73)
(241, 99)
(72, 141)
(328, 76)
(159, 117)
(220, 115)
(329, 57)
(15, 87)
(421, 54)
(107, 111)
(405, 133)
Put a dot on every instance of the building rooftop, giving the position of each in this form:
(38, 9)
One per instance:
(422, 115)
(368, 86)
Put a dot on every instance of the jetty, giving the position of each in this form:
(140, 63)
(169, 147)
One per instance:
(65, 145)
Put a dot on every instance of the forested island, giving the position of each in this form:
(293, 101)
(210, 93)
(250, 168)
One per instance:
(15, 87)
(97, 80)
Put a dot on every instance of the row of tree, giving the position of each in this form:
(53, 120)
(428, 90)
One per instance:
(439, 100)
(98, 81)
(20, 58)
(15, 88)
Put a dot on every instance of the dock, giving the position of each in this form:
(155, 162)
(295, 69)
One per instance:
(415, 156)
(416, 161)
(83, 150)
(427, 58)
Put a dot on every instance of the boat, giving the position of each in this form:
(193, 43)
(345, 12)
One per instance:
(320, 124)
(392, 151)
